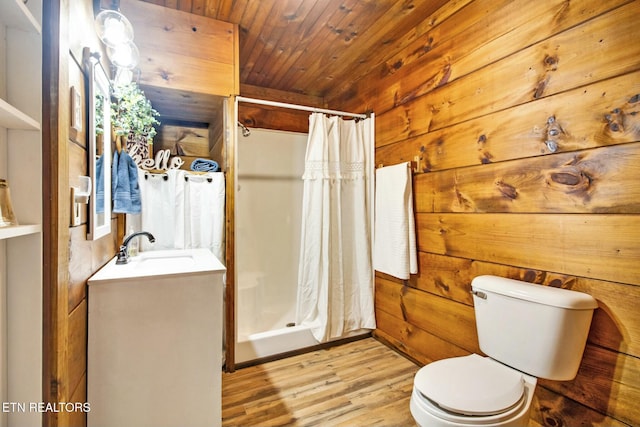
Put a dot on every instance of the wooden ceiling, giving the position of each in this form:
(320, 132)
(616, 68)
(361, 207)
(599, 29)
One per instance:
(312, 47)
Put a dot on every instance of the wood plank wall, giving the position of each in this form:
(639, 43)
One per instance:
(183, 52)
(77, 258)
(258, 116)
(483, 92)
(70, 258)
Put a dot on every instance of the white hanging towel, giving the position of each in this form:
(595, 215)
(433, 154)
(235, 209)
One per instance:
(162, 202)
(394, 249)
(204, 219)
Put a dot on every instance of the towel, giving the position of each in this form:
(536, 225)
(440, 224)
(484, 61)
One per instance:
(163, 208)
(394, 249)
(204, 165)
(204, 220)
(124, 184)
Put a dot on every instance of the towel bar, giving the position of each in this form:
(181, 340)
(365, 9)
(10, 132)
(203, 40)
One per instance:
(413, 165)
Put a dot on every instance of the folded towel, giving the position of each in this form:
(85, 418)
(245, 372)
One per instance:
(394, 249)
(124, 184)
(100, 185)
(204, 165)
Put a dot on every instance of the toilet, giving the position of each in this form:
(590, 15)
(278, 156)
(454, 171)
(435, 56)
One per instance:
(527, 332)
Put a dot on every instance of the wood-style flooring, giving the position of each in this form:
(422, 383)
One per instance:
(361, 383)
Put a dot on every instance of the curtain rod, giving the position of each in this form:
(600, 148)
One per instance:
(299, 107)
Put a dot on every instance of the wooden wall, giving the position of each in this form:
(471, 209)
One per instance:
(174, 54)
(524, 116)
(263, 117)
(70, 258)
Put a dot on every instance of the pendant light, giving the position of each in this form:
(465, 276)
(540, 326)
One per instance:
(113, 28)
(124, 55)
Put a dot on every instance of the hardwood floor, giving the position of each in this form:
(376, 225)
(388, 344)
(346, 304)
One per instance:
(362, 383)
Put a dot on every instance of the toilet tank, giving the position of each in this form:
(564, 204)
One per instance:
(536, 329)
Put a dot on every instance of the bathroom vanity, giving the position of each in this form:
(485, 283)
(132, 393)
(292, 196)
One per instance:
(155, 341)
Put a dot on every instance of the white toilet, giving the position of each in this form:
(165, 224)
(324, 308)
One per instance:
(528, 331)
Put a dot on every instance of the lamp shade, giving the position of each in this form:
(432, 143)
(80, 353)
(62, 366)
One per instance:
(123, 76)
(125, 55)
(113, 28)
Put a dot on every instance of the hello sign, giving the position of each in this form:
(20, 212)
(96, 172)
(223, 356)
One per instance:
(163, 160)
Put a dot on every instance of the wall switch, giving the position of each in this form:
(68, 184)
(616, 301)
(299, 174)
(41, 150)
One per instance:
(76, 217)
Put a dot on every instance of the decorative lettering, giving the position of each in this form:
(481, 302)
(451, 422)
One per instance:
(163, 160)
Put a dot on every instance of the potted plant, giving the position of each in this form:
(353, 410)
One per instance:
(133, 116)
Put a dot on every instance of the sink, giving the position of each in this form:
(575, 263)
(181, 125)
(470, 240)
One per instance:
(160, 263)
(171, 261)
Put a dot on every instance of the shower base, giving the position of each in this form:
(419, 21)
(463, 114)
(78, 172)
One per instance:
(279, 341)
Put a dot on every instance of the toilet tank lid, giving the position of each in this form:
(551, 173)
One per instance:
(540, 294)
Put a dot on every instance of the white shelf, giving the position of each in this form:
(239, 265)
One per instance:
(12, 118)
(21, 286)
(19, 230)
(14, 14)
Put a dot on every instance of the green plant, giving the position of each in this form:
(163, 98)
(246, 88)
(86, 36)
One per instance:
(132, 112)
(99, 114)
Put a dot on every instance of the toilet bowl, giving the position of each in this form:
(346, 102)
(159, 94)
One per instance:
(497, 389)
(471, 391)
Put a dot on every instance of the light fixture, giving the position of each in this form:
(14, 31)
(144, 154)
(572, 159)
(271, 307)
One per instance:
(124, 76)
(124, 55)
(113, 28)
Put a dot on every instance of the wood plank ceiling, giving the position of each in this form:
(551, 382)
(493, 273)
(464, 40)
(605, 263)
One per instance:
(313, 47)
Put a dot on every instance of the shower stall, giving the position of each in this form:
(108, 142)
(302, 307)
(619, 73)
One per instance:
(268, 220)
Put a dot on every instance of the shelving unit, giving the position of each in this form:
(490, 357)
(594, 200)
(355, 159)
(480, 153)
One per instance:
(19, 230)
(21, 246)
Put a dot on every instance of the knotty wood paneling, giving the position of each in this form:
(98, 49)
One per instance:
(77, 346)
(182, 51)
(554, 410)
(607, 381)
(550, 242)
(69, 259)
(415, 342)
(616, 324)
(254, 115)
(477, 35)
(487, 139)
(476, 97)
(451, 321)
(584, 181)
(532, 73)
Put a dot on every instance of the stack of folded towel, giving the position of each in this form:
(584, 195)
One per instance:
(204, 165)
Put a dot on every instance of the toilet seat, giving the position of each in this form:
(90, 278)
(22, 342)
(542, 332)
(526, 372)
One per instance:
(471, 386)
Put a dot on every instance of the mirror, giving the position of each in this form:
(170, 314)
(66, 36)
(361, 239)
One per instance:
(98, 147)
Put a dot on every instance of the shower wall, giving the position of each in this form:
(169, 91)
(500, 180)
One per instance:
(268, 222)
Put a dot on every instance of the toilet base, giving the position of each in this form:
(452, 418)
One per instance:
(427, 414)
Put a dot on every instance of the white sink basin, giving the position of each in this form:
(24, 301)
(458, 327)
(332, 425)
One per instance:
(160, 263)
(170, 261)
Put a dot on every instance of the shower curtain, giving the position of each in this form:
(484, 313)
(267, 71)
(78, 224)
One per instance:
(335, 276)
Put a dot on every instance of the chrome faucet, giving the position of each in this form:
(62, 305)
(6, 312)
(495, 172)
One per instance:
(123, 253)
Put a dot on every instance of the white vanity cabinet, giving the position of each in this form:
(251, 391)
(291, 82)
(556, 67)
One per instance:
(155, 341)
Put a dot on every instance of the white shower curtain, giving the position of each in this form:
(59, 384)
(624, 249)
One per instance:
(335, 276)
